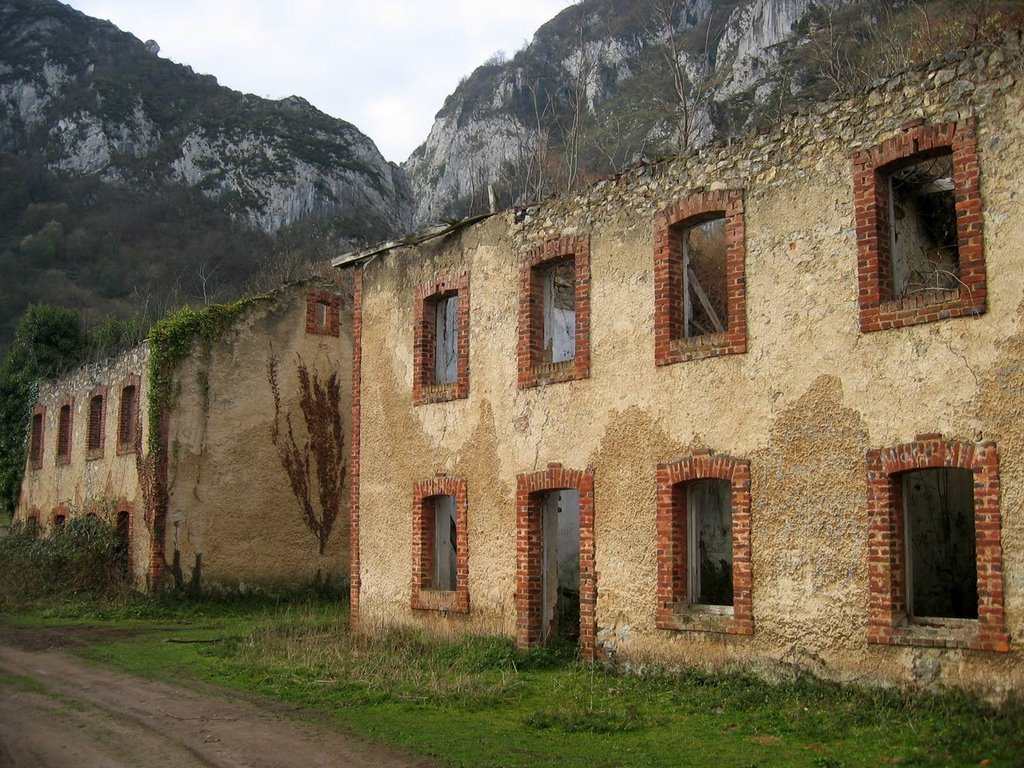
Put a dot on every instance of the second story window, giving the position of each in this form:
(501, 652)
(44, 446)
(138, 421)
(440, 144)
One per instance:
(128, 418)
(700, 305)
(94, 433)
(35, 439)
(441, 340)
(554, 312)
(64, 434)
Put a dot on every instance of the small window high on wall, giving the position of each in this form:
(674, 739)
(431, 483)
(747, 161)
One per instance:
(942, 576)
(554, 312)
(94, 434)
(921, 250)
(705, 290)
(128, 417)
(35, 443)
(446, 339)
(559, 311)
(64, 434)
(922, 211)
(441, 340)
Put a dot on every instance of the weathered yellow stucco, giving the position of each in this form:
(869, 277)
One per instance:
(229, 500)
(100, 485)
(803, 404)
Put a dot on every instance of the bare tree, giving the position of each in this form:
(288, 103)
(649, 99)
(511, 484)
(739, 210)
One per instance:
(668, 27)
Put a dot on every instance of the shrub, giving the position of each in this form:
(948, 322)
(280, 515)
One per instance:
(84, 556)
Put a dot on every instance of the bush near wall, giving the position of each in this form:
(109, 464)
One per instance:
(84, 556)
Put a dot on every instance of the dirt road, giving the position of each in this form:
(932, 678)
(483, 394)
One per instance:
(57, 711)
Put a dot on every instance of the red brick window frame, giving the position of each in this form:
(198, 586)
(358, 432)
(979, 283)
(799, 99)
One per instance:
(673, 609)
(872, 169)
(323, 314)
(65, 426)
(95, 434)
(37, 437)
(530, 490)
(888, 621)
(425, 388)
(128, 424)
(671, 345)
(533, 371)
(424, 595)
(59, 516)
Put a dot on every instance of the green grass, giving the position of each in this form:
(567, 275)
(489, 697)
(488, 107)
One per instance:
(476, 701)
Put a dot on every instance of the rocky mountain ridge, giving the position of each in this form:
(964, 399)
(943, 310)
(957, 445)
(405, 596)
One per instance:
(94, 100)
(607, 83)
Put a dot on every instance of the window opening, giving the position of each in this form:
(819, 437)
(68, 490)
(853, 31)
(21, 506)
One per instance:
(560, 609)
(445, 544)
(59, 520)
(126, 422)
(322, 309)
(64, 432)
(923, 227)
(36, 441)
(446, 339)
(705, 288)
(122, 535)
(33, 526)
(559, 283)
(94, 438)
(709, 510)
(942, 580)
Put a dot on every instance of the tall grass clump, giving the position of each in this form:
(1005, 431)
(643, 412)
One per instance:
(82, 557)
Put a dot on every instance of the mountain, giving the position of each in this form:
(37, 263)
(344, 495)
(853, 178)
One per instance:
(93, 99)
(130, 185)
(607, 83)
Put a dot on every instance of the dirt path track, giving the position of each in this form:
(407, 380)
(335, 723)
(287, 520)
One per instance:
(57, 712)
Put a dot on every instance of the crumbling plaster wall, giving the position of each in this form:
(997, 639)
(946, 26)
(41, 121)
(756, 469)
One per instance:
(230, 499)
(806, 401)
(102, 485)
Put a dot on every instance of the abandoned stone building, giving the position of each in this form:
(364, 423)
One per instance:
(757, 404)
(209, 500)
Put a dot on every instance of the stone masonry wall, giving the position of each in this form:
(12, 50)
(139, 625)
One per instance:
(804, 402)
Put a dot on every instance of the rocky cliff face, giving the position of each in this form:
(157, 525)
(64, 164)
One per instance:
(95, 100)
(595, 85)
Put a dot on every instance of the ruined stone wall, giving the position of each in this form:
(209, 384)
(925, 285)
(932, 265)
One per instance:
(805, 402)
(101, 482)
(231, 507)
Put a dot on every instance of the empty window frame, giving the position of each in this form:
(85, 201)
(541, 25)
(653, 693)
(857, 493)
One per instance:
(554, 312)
(938, 520)
(64, 425)
(36, 438)
(441, 340)
(934, 543)
(919, 227)
(95, 432)
(128, 417)
(709, 539)
(703, 523)
(700, 283)
(440, 545)
(323, 314)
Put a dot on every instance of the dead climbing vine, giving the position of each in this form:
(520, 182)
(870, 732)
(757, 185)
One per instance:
(313, 462)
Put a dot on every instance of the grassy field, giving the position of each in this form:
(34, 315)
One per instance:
(478, 702)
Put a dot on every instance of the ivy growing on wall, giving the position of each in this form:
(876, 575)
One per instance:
(170, 342)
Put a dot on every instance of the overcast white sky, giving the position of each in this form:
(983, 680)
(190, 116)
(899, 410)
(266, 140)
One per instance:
(385, 65)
